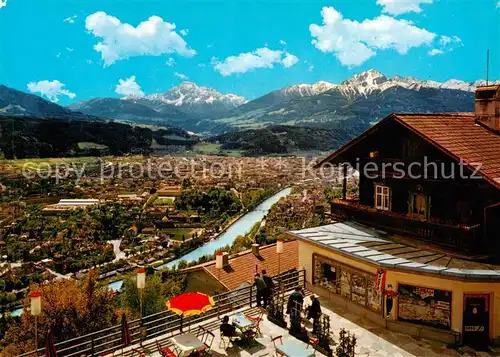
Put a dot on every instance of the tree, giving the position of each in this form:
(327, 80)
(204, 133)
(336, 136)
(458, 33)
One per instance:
(71, 308)
(153, 299)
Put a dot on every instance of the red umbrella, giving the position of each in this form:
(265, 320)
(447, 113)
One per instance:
(126, 337)
(189, 304)
(50, 349)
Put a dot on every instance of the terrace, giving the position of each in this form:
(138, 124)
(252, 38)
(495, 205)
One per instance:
(372, 339)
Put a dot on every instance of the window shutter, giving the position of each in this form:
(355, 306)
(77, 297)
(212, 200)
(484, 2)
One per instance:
(428, 207)
(411, 198)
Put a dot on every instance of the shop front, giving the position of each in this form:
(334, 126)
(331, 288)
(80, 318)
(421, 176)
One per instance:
(430, 302)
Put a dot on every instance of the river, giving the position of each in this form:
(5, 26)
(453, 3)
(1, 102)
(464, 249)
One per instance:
(241, 227)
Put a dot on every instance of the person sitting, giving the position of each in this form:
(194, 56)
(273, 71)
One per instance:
(228, 329)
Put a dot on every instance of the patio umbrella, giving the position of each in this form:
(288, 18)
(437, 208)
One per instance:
(190, 304)
(50, 349)
(126, 337)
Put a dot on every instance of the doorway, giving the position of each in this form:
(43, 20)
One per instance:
(476, 321)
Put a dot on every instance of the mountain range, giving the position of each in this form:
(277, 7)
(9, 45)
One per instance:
(352, 105)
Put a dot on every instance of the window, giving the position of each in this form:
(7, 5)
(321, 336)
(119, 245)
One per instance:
(325, 274)
(352, 284)
(382, 197)
(420, 205)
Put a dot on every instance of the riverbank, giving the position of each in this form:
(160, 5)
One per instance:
(240, 226)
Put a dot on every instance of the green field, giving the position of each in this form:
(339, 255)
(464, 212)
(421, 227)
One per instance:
(91, 145)
(177, 233)
(215, 149)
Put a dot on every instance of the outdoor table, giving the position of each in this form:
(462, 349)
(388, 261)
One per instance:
(291, 348)
(187, 344)
(241, 322)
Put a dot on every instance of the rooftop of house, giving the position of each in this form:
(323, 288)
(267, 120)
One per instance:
(242, 266)
(458, 135)
(377, 248)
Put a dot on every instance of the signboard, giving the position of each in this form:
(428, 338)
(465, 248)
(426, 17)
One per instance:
(431, 307)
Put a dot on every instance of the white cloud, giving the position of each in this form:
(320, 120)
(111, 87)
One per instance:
(310, 68)
(353, 42)
(3, 3)
(398, 7)
(282, 42)
(50, 89)
(89, 61)
(71, 19)
(180, 75)
(184, 32)
(129, 87)
(435, 51)
(289, 60)
(69, 49)
(447, 40)
(170, 62)
(498, 3)
(153, 37)
(260, 58)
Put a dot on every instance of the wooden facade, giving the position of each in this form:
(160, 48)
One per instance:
(411, 186)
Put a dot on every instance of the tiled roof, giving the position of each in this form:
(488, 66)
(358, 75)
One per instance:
(459, 136)
(241, 267)
(360, 242)
(456, 134)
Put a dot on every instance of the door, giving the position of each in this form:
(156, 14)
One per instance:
(476, 321)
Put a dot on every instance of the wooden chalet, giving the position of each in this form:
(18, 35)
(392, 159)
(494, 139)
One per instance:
(434, 176)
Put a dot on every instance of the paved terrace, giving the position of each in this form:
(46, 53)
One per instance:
(373, 340)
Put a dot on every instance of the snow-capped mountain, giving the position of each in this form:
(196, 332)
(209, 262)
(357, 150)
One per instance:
(191, 98)
(371, 81)
(306, 90)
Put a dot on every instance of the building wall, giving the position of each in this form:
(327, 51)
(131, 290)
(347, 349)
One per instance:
(200, 281)
(394, 277)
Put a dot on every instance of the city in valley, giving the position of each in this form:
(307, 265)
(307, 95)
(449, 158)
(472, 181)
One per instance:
(217, 179)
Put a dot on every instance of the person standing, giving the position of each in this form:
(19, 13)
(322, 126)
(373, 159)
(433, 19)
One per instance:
(260, 284)
(314, 312)
(294, 309)
(269, 287)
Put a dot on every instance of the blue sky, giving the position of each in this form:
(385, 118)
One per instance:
(72, 50)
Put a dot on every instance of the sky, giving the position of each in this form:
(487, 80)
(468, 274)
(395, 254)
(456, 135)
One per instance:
(74, 50)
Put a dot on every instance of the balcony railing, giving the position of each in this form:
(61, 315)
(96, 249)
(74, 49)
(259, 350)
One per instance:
(107, 341)
(462, 237)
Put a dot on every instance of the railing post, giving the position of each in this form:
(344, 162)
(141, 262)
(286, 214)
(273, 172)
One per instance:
(304, 278)
(92, 346)
(251, 288)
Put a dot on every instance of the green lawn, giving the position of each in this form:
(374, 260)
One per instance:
(207, 148)
(164, 202)
(177, 233)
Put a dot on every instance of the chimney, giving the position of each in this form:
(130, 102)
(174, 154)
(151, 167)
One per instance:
(487, 107)
(255, 250)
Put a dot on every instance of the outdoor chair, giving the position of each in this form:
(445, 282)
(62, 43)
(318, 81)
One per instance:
(226, 341)
(274, 339)
(165, 351)
(256, 320)
(207, 337)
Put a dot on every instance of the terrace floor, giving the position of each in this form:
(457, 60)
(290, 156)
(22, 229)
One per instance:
(373, 340)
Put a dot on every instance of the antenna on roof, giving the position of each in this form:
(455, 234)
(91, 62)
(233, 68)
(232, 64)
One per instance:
(487, 65)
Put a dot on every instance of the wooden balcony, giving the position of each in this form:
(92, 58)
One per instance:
(460, 237)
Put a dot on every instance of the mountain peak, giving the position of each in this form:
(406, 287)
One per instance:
(195, 98)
